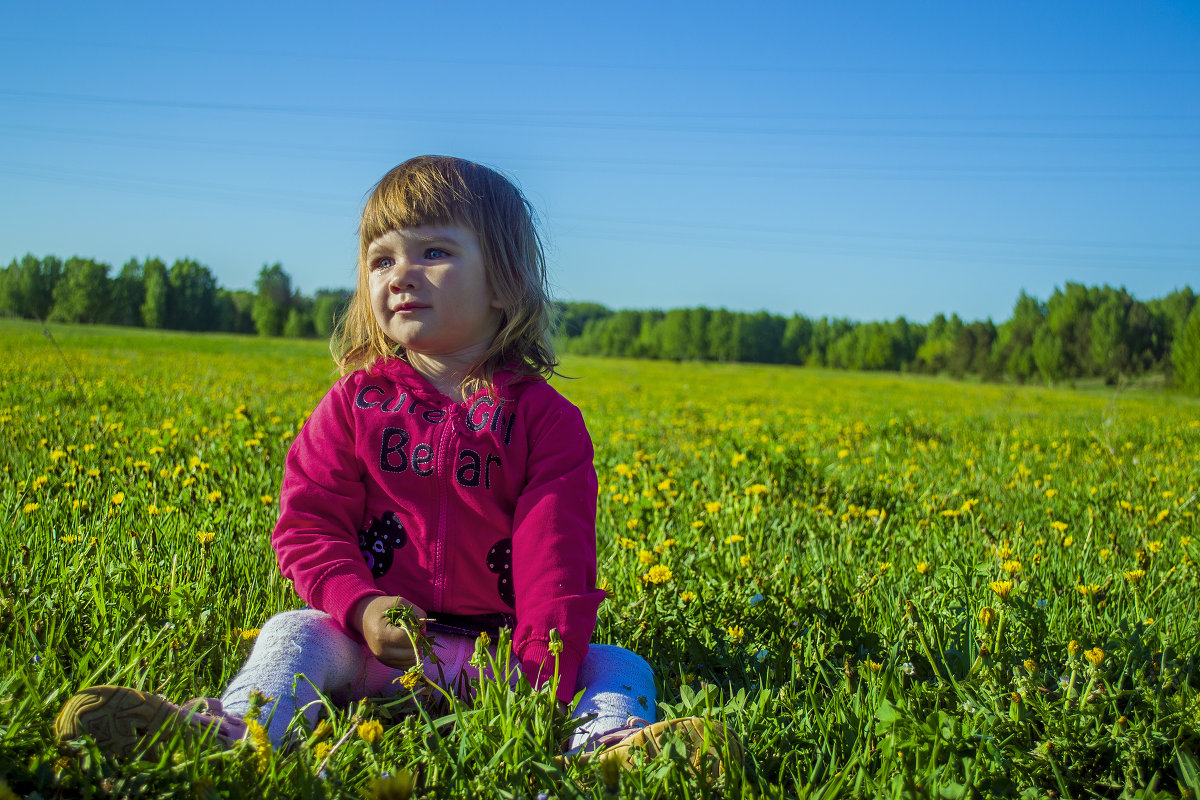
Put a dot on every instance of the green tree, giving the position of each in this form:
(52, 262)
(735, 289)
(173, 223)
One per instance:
(673, 335)
(128, 295)
(192, 296)
(328, 305)
(1185, 354)
(1013, 349)
(797, 339)
(272, 300)
(28, 286)
(156, 293)
(82, 293)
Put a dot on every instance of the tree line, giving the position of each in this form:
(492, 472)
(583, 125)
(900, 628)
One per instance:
(1080, 332)
(184, 296)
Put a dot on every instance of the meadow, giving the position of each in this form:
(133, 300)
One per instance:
(886, 585)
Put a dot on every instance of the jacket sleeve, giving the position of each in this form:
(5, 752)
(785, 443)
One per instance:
(554, 553)
(321, 506)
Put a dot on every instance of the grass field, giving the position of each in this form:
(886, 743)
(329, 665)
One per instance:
(887, 586)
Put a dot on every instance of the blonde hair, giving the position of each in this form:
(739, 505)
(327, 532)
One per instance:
(440, 190)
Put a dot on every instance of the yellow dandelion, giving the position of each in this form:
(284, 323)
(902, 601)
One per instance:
(1011, 566)
(1030, 666)
(214, 495)
(687, 596)
(1095, 656)
(249, 633)
(371, 732)
(29, 508)
(712, 506)
(1154, 547)
(922, 567)
(261, 743)
(987, 617)
(697, 524)
(117, 498)
(1073, 648)
(874, 666)
(266, 499)
(1136, 575)
(206, 537)
(734, 539)
(1002, 588)
(738, 458)
(658, 574)
(745, 561)
(1088, 589)
(1058, 526)
(736, 633)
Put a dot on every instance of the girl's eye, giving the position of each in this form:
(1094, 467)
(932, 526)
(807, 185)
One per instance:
(384, 263)
(436, 254)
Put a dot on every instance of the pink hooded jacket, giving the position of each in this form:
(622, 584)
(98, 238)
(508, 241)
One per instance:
(476, 508)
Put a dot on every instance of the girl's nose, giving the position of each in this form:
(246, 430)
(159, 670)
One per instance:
(403, 277)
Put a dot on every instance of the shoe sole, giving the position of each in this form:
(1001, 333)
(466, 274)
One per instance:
(118, 719)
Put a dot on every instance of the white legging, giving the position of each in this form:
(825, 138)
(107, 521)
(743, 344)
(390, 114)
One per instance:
(618, 685)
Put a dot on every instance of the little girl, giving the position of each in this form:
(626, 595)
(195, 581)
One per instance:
(443, 474)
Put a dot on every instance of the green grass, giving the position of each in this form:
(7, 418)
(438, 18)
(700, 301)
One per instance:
(832, 550)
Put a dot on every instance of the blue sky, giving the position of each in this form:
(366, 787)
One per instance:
(855, 159)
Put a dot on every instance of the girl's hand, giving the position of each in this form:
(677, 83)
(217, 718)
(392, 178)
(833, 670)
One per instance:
(389, 644)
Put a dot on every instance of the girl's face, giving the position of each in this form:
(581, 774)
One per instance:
(430, 292)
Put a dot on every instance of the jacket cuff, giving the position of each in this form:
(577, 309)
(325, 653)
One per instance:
(337, 596)
(537, 665)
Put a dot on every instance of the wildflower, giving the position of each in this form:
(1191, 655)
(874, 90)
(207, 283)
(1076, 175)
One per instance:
(738, 458)
(658, 574)
(1136, 575)
(1058, 526)
(761, 656)
(371, 732)
(687, 596)
(712, 506)
(1068, 541)
(266, 499)
(248, 633)
(922, 567)
(117, 498)
(633, 523)
(261, 742)
(884, 566)
(206, 537)
(734, 539)
(1002, 589)
(874, 666)
(1088, 589)
(756, 488)
(1095, 656)
(745, 561)
(756, 599)
(736, 633)
(1011, 566)
(908, 668)
(987, 617)
(645, 557)
(29, 508)
(1030, 666)
(1072, 648)
(214, 495)
(412, 677)
(697, 524)
(1154, 547)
